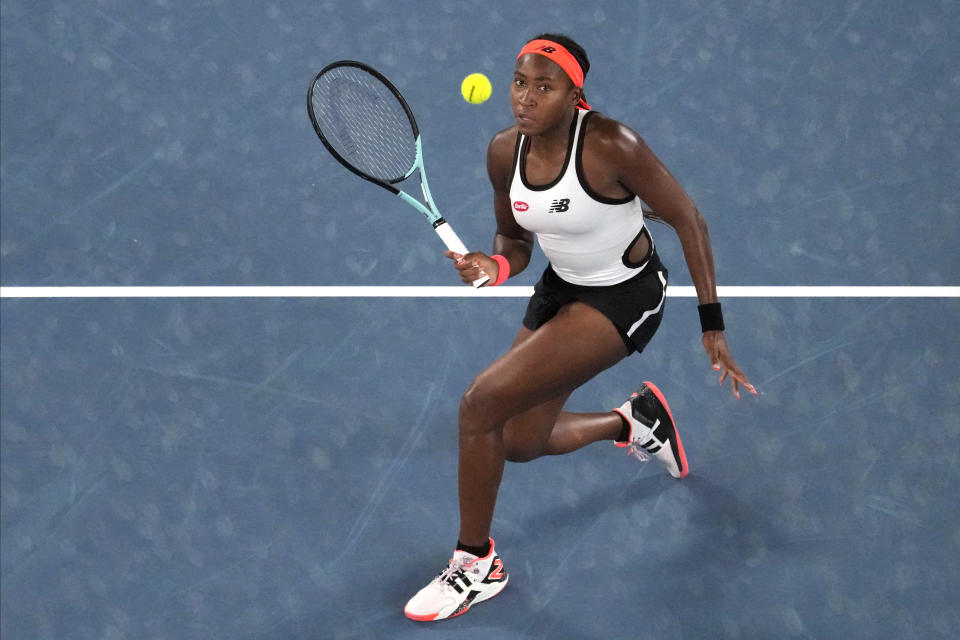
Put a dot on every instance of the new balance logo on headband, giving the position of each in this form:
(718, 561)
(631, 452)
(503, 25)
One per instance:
(560, 206)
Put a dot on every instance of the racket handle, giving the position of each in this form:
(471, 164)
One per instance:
(453, 242)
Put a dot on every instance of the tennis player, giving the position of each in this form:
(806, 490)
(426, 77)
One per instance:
(575, 179)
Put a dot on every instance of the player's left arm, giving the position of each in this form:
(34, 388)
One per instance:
(641, 172)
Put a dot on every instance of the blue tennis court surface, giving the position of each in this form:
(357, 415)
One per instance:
(286, 468)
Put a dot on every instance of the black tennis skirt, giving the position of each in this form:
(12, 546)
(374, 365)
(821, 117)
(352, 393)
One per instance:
(634, 306)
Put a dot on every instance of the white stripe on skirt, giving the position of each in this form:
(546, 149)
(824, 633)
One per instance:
(655, 310)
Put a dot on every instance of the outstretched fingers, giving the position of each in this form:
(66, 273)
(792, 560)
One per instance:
(737, 379)
(716, 346)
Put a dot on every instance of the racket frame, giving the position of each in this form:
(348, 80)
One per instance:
(429, 211)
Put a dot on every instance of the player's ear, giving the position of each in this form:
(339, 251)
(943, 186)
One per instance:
(577, 95)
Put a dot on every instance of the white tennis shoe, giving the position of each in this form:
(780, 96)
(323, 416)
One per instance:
(652, 430)
(466, 581)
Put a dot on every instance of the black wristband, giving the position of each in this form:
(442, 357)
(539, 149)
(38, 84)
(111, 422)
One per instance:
(711, 317)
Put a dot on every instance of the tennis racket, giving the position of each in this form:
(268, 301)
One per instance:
(365, 123)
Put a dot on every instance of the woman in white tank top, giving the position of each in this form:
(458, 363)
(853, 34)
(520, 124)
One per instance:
(575, 180)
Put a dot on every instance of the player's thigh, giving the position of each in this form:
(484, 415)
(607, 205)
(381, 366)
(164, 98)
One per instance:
(547, 364)
(525, 435)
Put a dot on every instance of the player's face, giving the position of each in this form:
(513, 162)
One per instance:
(541, 95)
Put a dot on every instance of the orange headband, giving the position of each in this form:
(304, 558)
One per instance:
(562, 57)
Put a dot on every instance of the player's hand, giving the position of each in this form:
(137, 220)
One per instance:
(720, 358)
(474, 266)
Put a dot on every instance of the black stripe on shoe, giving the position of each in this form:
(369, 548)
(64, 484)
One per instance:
(667, 434)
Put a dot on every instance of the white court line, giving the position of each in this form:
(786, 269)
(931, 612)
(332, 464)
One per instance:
(452, 292)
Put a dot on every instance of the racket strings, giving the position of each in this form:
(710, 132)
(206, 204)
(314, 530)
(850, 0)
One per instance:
(365, 123)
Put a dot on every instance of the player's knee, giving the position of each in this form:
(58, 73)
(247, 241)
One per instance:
(473, 405)
(479, 408)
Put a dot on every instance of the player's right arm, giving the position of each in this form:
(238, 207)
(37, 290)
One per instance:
(511, 240)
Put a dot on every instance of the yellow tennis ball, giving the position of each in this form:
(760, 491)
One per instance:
(476, 88)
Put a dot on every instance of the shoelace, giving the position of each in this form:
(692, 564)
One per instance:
(453, 571)
(634, 449)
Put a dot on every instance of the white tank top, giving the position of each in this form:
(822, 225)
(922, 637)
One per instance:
(585, 236)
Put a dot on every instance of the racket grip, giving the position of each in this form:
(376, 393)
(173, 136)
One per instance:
(453, 242)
